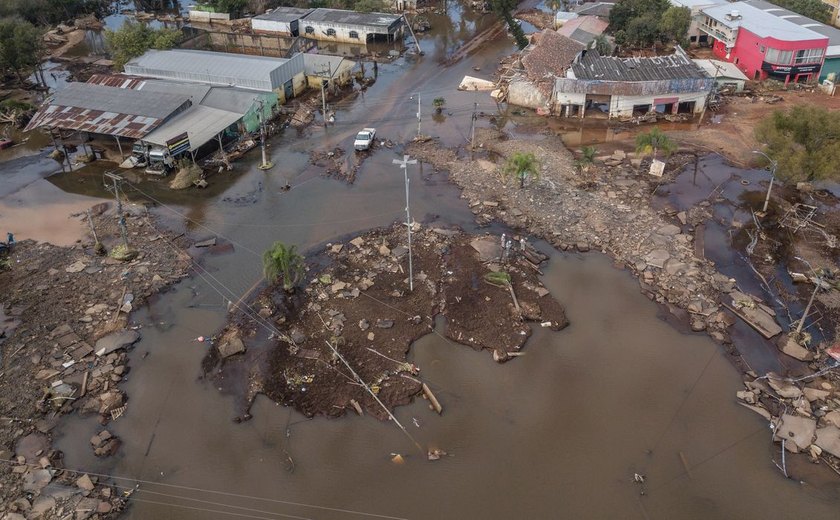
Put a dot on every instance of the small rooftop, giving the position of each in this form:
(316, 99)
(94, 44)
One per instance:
(760, 22)
(721, 69)
(550, 55)
(284, 14)
(583, 29)
(676, 66)
(339, 16)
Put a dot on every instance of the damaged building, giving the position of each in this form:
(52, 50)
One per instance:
(550, 54)
(622, 88)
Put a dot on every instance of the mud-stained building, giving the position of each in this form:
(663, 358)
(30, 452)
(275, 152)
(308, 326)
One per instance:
(628, 87)
(331, 25)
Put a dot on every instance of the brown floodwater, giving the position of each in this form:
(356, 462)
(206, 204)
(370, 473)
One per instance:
(559, 432)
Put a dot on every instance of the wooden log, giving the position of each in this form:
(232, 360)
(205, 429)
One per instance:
(432, 399)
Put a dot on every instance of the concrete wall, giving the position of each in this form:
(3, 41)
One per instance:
(255, 44)
(207, 17)
(622, 106)
(342, 32)
(273, 26)
(525, 94)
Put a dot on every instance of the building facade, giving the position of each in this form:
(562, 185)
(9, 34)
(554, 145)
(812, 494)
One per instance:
(283, 20)
(763, 45)
(627, 87)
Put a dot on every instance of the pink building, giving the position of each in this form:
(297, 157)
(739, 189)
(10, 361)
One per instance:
(763, 45)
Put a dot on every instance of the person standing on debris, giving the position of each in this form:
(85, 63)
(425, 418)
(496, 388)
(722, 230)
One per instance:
(10, 240)
(508, 245)
(503, 241)
(522, 244)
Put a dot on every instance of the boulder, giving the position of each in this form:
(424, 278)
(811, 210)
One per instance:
(657, 258)
(789, 346)
(832, 417)
(84, 482)
(384, 324)
(116, 341)
(828, 439)
(668, 230)
(231, 347)
(783, 388)
(798, 431)
(815, 394)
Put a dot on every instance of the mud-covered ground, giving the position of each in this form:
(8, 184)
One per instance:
(64, 328)
(360, 307)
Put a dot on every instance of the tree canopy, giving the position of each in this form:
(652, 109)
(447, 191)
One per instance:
(282, 261)
(643, 23)
(20, 43)
(522, 165)
(234, 7)
(503, 8)
(133, 39)
(805, 142)
(815, 9)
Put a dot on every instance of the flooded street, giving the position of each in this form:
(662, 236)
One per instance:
(558, 432)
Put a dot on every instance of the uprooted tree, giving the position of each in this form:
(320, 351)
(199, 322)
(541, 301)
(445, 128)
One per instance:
(805, 142)
(282, 261)
(134, 39)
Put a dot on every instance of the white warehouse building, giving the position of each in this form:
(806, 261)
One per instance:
(332, 25)
(284, 76)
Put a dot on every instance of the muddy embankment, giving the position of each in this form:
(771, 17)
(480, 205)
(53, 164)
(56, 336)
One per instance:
(64, 328)
(609, 209)
(360, 308)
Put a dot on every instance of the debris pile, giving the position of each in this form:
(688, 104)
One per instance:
(64, 339)
(361, 308)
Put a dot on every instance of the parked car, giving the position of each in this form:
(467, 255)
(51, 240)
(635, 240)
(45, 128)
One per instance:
(364, 139)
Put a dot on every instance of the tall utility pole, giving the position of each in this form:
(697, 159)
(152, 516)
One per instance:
(817, 284)
(265, 164)
(474, 116)
(418, 115)
(123, 232)
(404, 165)
(324, 102)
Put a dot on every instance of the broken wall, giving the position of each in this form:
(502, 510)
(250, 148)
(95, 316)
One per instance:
(525, 94)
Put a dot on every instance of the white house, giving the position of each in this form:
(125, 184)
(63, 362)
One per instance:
(283, 20)
(351, 27)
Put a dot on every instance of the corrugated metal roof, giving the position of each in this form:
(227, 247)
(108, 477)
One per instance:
(631, 88)
(107, 110)
(201, 124)
(209, 67)
(675, 66)
(601, 9)
(115, 80)
(284, 14)
(233, 99)
(338, 16)
(93, 121)
(196, 92)
(118, 100)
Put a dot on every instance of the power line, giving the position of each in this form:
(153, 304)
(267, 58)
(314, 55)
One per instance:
(222, 493)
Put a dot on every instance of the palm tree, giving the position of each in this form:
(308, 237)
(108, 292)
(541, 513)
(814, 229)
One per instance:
(652, 142)
(587, 157)
(554, 5)
(439, 102)
(520, 165)
(281, 260)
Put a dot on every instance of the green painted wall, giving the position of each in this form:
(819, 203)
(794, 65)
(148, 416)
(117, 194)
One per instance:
(251, 119)
(830, 65)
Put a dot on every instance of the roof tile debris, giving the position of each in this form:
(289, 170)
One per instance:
(550, 55)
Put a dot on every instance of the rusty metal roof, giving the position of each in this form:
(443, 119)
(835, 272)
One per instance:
(115, 80)
(106, 110)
